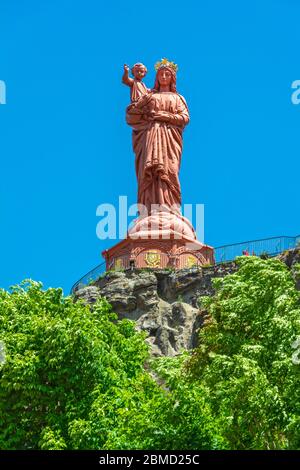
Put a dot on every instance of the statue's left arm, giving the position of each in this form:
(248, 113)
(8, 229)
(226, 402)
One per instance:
(180, 118)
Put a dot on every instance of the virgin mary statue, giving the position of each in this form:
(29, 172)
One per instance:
(158, 119)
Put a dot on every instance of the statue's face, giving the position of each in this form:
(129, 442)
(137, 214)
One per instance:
(139, 72)
(164, 77)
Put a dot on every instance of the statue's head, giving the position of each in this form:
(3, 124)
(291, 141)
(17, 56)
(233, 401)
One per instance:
(139, 71)
(165, 75)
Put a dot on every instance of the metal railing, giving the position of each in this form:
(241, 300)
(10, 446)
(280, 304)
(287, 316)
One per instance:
(89, 278)
(223, 254)
(269, 246)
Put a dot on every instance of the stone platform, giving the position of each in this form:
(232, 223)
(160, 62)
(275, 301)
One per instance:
(159, 241)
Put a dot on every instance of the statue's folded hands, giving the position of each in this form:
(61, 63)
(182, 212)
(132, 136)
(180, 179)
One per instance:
(160, 116)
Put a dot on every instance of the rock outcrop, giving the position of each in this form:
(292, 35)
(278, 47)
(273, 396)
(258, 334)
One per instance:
(292, 259)
(165, 303)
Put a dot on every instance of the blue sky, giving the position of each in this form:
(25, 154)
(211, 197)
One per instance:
(65, 146)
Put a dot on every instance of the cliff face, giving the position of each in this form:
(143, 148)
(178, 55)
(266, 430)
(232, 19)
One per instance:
(164, 303)
(291, 258)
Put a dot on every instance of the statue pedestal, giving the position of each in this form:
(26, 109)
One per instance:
(160, 240)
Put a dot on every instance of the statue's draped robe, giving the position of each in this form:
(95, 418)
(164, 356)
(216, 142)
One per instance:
(158, 147)
(138, 89)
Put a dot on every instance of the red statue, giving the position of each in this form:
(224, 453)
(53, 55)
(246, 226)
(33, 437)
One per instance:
(136, 84)
(158, 118)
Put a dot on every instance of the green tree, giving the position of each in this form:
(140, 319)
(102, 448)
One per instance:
(57, 353)
(245, 356)
(74, 378)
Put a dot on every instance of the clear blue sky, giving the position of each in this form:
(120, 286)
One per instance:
(65, 147)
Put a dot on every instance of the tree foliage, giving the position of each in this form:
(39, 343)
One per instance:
(245, 355)
(72, 377)
(59, 354)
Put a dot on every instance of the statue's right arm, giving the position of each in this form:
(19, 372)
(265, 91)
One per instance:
(126, 79)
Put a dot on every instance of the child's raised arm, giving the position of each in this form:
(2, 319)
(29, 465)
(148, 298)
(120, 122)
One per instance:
(126, 79)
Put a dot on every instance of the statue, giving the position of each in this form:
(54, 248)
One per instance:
(160, 236)
(137, 87)
(158, 119)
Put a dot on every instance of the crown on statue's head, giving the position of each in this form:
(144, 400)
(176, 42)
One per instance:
(166, 63)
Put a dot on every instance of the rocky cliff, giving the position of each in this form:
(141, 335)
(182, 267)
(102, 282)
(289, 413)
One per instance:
(292, 259)
(162, 302)
(165, 303)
